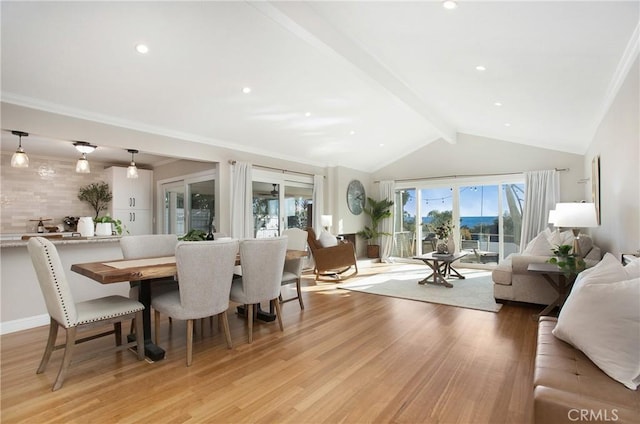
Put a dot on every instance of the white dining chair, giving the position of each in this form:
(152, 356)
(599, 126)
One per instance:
(65, 312)
(262, 262)
(296, 240)
(205, 271)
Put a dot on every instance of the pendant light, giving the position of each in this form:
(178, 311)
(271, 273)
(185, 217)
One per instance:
(20, 158)
(82, 166)
(132, 171)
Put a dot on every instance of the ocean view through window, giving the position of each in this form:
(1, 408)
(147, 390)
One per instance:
(486, 219)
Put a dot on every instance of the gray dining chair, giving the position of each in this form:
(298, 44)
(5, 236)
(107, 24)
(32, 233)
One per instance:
(65, 312)
(205, 271)
(149, 246)
(296, 240)
(262, 262)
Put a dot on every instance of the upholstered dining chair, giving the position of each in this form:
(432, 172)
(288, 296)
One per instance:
(149, 246)
(66, 313)
(262, 262)
(205, 271)
(296, 240)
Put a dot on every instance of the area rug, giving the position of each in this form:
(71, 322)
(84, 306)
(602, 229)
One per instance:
(474, 292)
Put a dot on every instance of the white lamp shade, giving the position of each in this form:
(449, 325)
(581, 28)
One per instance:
(20, 159)
(132, 171)
(326, 220)
(576, 215)
(82, 166)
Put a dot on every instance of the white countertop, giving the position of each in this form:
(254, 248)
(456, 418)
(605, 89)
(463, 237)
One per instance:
(15, 240)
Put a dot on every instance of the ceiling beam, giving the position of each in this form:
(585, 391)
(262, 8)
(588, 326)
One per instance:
(300, 19)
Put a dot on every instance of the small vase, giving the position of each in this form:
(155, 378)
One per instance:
(441, 246)
(85, 226)
(451, 245)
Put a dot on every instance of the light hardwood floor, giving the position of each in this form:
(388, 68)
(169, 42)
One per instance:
(348, 357)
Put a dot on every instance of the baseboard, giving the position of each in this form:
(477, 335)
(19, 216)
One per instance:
(24, 324)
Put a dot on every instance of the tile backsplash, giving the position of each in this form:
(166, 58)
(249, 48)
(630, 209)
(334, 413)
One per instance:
(48, 188)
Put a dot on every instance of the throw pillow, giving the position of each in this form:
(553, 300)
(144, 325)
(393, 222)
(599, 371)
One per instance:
(633, 269)
(602, 319)
(585, 244)
(608, 270)
(327, 239)
(556, 238)
(539, 246)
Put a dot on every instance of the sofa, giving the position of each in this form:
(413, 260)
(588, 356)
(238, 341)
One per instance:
(587, 361)
(568, 387)
(513, 282)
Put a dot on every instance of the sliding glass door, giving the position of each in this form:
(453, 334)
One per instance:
(280, 202)
(486, 216)
(189, 204)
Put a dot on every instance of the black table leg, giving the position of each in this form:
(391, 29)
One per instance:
(261, 314)
(151, 350)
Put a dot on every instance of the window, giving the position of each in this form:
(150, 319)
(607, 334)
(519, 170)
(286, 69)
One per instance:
(486, 213)
(189, 204)
(280, 202)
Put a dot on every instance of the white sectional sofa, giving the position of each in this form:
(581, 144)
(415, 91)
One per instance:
(512, 281)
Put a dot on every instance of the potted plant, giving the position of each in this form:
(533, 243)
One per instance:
(568, 262)
(444, 243)
(377, 210)
(194, 235)
(97, 195)
(106, 224)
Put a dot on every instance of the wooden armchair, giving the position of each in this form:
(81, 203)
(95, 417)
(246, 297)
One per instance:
(332, 261)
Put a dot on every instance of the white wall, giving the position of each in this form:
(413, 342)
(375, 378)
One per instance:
(473, 155)
(617, 142)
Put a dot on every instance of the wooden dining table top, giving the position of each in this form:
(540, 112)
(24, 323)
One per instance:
(117, 271)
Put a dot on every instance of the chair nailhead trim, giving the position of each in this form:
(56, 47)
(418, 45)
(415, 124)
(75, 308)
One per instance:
(57, 285)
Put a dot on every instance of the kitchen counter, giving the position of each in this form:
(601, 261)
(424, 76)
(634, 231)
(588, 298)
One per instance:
(22, 304)
(12, 240)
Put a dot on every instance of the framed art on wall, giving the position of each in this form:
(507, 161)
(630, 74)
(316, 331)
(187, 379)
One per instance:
(595, 184)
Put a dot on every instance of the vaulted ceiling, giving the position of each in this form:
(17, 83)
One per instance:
(358, 84)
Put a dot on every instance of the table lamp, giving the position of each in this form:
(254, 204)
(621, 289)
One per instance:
(326, 221)
(553, 216)
(576, 216)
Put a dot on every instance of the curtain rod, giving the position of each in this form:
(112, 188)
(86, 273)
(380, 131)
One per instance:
(233, 162)
(445, 177)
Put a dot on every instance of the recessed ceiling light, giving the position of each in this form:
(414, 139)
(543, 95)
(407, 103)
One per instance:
(449, 4)
(352, 132)
(246, 90)
(381, 144)
(507, 124)
(142, 48)
(480, 68)
(497, 104)
(308, 114)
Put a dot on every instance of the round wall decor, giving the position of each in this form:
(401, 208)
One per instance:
(356, 197)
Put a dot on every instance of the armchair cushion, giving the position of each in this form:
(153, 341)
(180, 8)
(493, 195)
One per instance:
(335, 259)
(327, 239)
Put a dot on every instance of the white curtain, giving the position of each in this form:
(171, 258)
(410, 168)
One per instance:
(318, 203)
(386, 191)
(241, 201)
(542, 194)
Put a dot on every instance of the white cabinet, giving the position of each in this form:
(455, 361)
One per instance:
(132, 199)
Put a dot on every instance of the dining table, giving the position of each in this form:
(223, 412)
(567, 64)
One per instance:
(146, 272)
